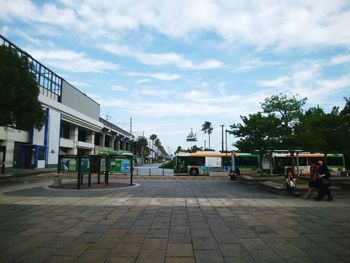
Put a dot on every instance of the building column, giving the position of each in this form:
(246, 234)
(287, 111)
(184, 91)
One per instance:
(90, 138)
(74, 137)
(103, 140)
(114, 139)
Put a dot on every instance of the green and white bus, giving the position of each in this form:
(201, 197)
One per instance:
(280, 162)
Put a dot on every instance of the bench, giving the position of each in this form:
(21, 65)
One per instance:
(277, 188)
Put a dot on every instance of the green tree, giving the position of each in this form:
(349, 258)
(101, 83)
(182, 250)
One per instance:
(323, 132)
(194, 149)
(256, 132)
(207, 128)
(179, 149)
(288, 111)
(310, 130)
(19, 107)
(345, 115)
(142, 143)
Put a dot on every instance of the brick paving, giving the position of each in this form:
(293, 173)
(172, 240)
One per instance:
(169, 221)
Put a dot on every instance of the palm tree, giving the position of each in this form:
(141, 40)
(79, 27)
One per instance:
(152, 138)
(142, 143)
(158, 144)
(207, 128)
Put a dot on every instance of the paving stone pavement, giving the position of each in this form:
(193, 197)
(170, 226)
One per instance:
(169, 221)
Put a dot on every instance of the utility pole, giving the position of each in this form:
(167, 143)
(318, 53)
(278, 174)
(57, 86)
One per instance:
(205, 144)
(130, 126)
(222, 138)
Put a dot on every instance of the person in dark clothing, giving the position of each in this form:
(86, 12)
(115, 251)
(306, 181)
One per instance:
(325, 182)
(313, 179)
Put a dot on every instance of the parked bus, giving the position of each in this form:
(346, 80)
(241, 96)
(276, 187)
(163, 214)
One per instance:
(204, 163)
(280, 162)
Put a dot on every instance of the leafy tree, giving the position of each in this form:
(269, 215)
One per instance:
(19, 107)
(345, 115)
(324, 132)
(310, 129)
(288, 111)
(194, 149)
(207, 128)
(179, 149)
(257, 132)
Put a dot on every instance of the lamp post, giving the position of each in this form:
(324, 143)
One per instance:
(222, 137)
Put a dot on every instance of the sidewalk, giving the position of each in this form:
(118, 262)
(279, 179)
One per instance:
(169, 221)
(25, 172)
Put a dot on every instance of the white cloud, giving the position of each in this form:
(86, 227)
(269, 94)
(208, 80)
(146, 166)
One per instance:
(307, 81)
(157, 75)
(118, 88)
(262, 23)
(254, 64)
(142, 81)
(161, 59)
(71, 61)
(340, 59)
(274, 83)
(184, 104)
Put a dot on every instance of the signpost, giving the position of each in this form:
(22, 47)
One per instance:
(86, 164)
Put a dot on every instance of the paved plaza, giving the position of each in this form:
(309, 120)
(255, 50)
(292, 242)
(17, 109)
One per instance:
(169, 221)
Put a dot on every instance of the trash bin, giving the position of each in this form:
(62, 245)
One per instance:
(57, 180)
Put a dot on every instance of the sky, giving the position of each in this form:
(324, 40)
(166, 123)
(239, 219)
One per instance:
(172, 65)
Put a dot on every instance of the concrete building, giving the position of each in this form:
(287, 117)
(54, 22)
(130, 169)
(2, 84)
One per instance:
(73, 125)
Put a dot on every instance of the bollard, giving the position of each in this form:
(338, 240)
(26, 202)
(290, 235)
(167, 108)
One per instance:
(57, 180)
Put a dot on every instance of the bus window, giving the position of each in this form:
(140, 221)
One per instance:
(335, 161)
(302, 161)
(200, 161)
(246, 161)
(226, 161)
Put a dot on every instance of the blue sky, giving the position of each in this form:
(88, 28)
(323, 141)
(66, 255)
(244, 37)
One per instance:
(171, 65)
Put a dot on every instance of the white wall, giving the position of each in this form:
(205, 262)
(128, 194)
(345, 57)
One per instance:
(53, 136)
(10, 136)
(38, 136)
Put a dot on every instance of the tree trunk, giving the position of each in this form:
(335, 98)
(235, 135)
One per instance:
(293, 161)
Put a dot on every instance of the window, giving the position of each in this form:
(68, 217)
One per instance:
(302, 161)
(246, 161)
(97, 138)
(65, 131)
(41, 154)
(82, 135)
(335, 161)
(107, 141)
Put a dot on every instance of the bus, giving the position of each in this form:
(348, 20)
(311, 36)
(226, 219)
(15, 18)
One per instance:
(279, 162)
(209, 162)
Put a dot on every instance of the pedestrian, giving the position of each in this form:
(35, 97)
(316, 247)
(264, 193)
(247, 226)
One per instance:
(325, 182)
(290, 183)
(313, 179)
(233, 176)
